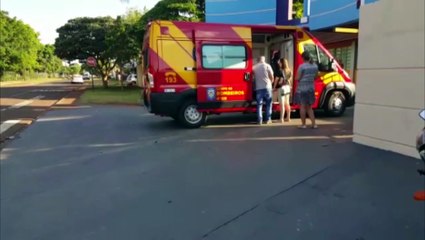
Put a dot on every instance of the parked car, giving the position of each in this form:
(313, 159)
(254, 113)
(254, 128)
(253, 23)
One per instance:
(77, 78)
(86, 76)
(131, 79)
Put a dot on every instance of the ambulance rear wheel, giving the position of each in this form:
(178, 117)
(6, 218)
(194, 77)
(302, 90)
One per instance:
(190, 117)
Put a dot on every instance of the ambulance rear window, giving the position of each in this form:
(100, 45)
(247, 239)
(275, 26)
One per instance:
(223, 57)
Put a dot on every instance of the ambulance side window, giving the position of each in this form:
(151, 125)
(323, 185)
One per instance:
(312, 49)
(325, 63)
(319, 57)
(223, 57)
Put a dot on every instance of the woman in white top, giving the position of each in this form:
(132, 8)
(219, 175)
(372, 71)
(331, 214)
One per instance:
(284, 87)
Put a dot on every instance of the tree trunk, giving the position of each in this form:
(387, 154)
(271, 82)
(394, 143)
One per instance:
(120, 78)
(105, 81)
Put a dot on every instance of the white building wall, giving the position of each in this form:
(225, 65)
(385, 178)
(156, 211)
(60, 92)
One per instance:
(390, 75)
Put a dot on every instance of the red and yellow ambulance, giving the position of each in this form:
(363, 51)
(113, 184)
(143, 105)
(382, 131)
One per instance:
(189, 70)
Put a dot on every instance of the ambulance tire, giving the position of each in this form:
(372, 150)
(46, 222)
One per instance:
(189, 116)
(335, 104)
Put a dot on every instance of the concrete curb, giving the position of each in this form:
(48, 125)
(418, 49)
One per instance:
(23, 83)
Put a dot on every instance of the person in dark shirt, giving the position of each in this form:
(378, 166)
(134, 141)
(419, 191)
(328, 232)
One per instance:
(274, 63)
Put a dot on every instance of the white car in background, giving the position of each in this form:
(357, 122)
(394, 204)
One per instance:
(77, 78)
(131, 79)
(86, 76)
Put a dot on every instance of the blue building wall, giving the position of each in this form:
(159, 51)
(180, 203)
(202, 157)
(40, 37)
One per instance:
(327, 13)
(241, 11)
(320, 13)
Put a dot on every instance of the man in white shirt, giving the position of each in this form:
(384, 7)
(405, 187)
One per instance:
(263, 74)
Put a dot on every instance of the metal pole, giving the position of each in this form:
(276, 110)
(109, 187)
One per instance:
(92, 82)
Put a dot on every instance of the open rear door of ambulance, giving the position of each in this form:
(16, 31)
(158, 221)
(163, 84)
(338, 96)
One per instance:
(224, 66)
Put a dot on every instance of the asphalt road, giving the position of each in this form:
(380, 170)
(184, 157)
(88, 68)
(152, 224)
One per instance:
(103, 172)
(20, 104)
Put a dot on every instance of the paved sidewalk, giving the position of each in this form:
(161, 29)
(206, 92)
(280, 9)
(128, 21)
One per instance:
(366, 195)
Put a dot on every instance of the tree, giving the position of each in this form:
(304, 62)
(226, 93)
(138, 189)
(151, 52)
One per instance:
(74, 68)
(47, 60)
(125, 40)
(201, 9)
(81, 38)
(298, 9)
(19, 45)
(181, 10)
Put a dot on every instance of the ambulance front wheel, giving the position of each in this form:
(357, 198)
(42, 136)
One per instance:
(189, 115)
(335, 104)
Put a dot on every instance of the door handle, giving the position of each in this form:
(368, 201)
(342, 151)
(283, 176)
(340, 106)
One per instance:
(190, 68)
(247, 76)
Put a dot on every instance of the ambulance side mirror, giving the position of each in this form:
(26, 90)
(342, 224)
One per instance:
(329, 67)
(333, 65)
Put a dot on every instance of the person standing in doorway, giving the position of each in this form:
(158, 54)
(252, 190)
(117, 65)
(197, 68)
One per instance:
(277, 74)
(304, 95)
(284, 90)
(263, 75)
